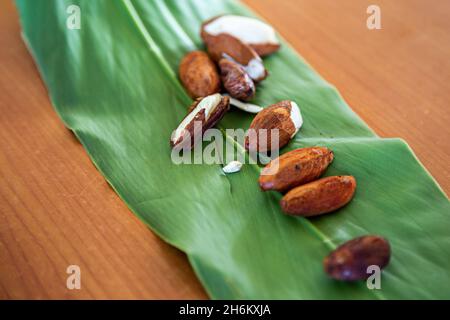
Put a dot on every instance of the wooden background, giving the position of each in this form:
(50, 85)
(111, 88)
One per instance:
(57, 210)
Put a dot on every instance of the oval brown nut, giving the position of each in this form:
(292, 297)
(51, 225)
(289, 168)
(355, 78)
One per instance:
(295, 168)
(320, 196)
(199, 75)
(283, 116)
(236, 81)
(202, 115)
(349, 262)
(255, 33)
(231, 48)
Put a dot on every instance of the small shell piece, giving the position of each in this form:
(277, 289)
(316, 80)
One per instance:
(247, 107)
(232, 167)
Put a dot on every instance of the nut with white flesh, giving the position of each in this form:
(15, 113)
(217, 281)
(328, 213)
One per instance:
(231, 48)
(247, 107)
(255, 33)
(203, 114)
(296, 117)
(236, 81)
(232, 167)
(284, 116)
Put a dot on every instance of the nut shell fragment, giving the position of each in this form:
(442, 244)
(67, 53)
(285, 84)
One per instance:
(232, 167)
(247, 107)
(319, 197)
(349, 262)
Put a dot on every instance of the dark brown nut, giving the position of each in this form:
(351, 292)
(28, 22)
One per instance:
(318, 197)
(295, 168)
(349, 262)
(203, 114)
(284, 116)
(254, 33)
(199, 75)
(231, 48)
(236, 81)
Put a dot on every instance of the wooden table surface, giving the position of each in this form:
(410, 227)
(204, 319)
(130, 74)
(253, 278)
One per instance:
(56, 209)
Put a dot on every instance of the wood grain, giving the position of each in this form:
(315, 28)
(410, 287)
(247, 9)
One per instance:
(57, 210)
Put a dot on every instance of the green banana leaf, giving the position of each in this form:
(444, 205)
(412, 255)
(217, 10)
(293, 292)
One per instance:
(114, 83)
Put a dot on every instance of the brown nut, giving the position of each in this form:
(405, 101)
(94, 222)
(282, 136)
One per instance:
(319, 197)
(236, 81)
(231, 48)
(199, 75)
(203, 114)
(349, 262)
(283, 116)
(254, 33)
(295, 168)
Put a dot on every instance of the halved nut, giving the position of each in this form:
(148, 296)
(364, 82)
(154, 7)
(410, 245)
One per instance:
(254, 33)
(236, 81)
(318, 197)
(283, 116)
(295, 168)
(203, 114)
(199, 75)
(231, 48)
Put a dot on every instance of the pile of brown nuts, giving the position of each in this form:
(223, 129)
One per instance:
(235, 46)
(232, 65)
